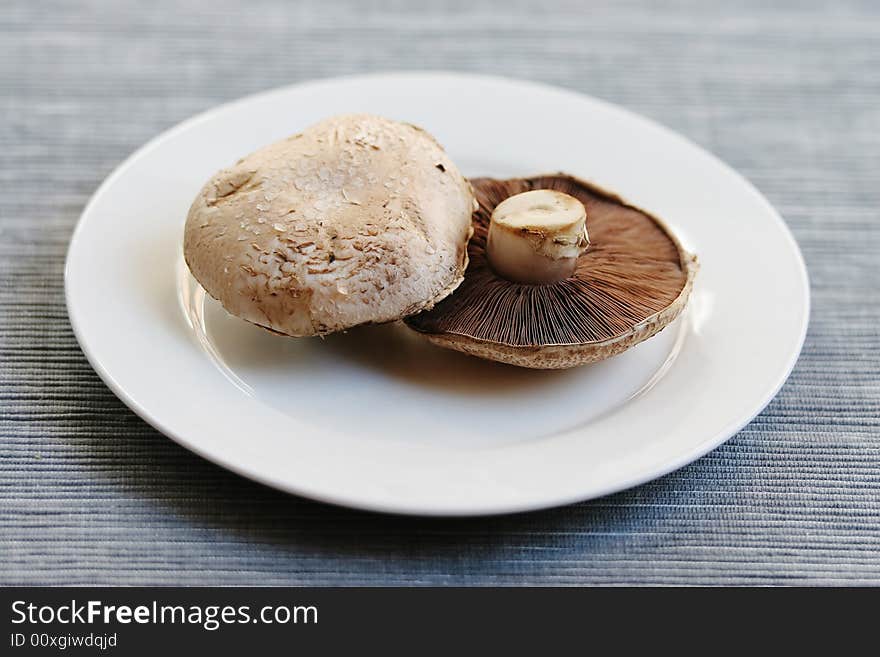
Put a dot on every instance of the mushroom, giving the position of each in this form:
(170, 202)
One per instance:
(540, 293)
(356, 220)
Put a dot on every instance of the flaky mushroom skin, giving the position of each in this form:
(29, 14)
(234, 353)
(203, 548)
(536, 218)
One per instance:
(633, 281)
(356, 220)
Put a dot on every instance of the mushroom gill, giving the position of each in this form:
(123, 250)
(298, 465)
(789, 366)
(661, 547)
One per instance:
(631, 282)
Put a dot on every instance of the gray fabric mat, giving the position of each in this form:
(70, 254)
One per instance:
(787, 94)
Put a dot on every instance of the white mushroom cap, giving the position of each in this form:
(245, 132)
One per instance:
(356, 220)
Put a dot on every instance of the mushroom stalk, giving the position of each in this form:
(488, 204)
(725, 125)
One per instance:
(536, 237)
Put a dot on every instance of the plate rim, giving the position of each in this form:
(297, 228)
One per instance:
(405, 508)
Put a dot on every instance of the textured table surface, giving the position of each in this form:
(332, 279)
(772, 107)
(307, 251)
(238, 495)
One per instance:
(789, 95)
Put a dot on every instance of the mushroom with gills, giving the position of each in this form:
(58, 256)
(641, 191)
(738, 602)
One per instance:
(539, 293)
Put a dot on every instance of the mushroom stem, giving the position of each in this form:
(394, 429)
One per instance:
(536, 237)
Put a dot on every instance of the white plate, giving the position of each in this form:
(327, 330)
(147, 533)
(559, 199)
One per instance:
(377, 419)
